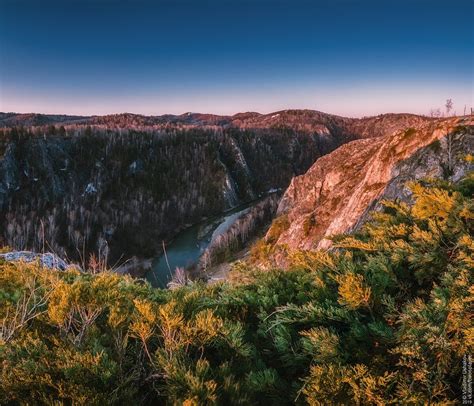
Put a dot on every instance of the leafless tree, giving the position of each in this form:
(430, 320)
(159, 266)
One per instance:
(180, 276)
(449, 106)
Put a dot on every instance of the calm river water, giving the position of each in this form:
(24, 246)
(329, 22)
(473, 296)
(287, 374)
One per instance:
(188, 246)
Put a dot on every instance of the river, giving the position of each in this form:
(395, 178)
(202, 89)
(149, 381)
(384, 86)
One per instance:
(186, 248)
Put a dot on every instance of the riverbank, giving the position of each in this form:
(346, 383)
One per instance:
(205, 250)
(210, 243)
(236, 236)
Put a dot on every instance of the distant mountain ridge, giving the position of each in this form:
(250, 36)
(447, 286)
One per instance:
(36, 119)
(300, 120)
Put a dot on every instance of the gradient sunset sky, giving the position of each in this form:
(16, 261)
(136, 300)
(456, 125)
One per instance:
(347, 57)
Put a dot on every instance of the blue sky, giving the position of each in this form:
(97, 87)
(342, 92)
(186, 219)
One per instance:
(348, 57)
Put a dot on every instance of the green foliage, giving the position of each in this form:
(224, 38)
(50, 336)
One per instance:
(410, 132)
(279, 225)
(435, 146)
(384, 319)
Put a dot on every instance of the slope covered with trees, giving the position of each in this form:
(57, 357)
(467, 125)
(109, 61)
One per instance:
(118, 192)
(115, 186)
(382, 319)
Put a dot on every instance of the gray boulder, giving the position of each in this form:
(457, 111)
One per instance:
(46, 260)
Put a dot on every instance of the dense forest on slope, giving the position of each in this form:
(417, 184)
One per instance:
(382, 319)
(119, 192)
(115, 186)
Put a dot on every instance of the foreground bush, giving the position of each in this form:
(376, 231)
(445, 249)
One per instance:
(383, 319)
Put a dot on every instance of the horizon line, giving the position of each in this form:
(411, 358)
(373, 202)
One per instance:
(230, 115)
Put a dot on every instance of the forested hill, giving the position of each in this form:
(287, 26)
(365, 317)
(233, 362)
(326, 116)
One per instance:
(117, 185)
(88, 189)
(301, 120)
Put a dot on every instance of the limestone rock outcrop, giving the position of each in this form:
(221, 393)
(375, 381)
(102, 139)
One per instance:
(337, 193)
(46, 260)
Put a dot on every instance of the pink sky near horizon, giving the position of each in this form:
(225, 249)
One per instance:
(352, 101)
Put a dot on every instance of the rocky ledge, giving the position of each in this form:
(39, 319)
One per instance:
(336, 194)
(47, 260)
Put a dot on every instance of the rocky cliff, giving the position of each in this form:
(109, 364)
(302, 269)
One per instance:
(335, 195)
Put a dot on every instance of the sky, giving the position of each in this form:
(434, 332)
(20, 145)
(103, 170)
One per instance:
(347, 57)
